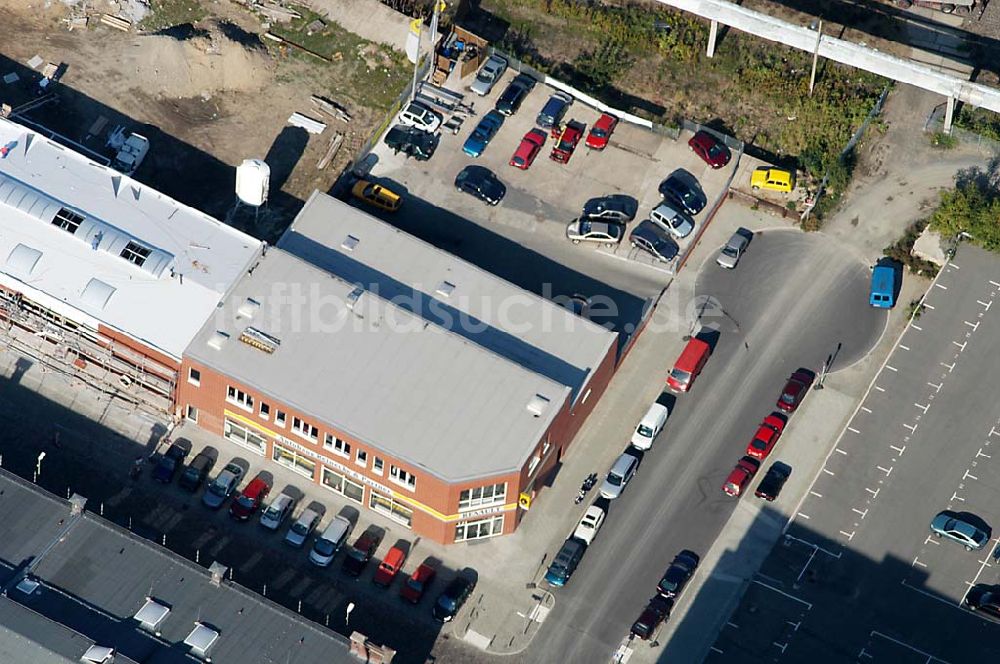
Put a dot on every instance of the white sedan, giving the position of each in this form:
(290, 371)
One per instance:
(591, 522)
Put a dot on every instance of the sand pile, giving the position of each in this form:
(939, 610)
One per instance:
(199, 66)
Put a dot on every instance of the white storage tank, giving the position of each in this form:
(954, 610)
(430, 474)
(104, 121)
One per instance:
(253, 179)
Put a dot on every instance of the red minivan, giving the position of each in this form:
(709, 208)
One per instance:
(688, 365)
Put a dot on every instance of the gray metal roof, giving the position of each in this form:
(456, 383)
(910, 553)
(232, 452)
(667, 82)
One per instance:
(535, 332)
(95, 576)
(378, 372)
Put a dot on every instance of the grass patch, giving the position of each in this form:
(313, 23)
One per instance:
(901, 250)
(943, 141)
(168, 13)
(376, 74)
(979, 121)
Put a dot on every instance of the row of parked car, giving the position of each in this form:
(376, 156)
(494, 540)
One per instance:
(250, 500)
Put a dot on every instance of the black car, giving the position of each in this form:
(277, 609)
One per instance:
(358, 555)
(984, 600)
(481, 182)
(451, 600)
(656, 611)
(683, 189)
(168, 465)
(196, 472)
(510, 99)
(412, 142)
(615, 207)
(652, 239)
(678, 574)
(770, 486)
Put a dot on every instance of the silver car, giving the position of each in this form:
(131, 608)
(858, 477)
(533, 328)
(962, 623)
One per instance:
(592, 230)
(488, 76)
(302, 528)
(958, 527)
(222, 486)
(730, 254)
(672, 220)
(619, 476)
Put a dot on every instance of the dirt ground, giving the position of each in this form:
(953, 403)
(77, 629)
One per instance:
(206, 100)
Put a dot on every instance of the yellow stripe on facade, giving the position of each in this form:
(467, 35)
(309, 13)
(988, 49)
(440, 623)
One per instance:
(395, 494)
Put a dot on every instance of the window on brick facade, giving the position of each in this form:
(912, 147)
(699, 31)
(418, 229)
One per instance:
(402, 477)
(377, 466)
(482, 496)
(240, 398)
(265, 410)
(279, 418)
(479, 529)
(194, 376)
(362, 458)
(334, 444)
(305, 429)
(191, 413)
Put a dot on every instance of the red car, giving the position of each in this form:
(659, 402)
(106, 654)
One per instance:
(766, 437)
(568, 141)
(389, 567)
(526, 152)
(601, 132)
(249, 499)
(740, 476)
(418, 583)
(795, 390)
(713, 151)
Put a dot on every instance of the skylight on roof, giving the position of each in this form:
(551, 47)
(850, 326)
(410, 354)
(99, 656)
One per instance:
(135, 253)
(97, 293)
(99, 655)
(67, 220)
(538, 404)
(218, 340)
(446, 288)
(201, 639)
(248, 308)
(22, 260)
(151, 614)
(350, 242)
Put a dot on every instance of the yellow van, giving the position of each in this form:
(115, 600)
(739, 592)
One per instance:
(775, 179)
(377, 195)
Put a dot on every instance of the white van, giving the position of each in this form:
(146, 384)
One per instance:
(277, 511)
(651, 425)
(327, 544)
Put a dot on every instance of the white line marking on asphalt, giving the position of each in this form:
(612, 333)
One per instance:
(921, 407)
(967, 476)
(880, 389)
(780, 645)
(954, 266)
(867, 410)
(770, 578)
(916, 561)
(993, 431)
(733, 625)
(983, 565)
(974, 326)
(807, 543)
(899, 450)
(904, 347)
(863, 514)
(873, 492)
(828, 472)
(937, 386)
(818, 495)
(887, 471)
(849, 535)
(852, 430)
(714, 649)
(949, 366)
(892, 368)
(912, 428)
(980, 454)
(927, 306)
(795, 625)
(916, 327)
(782, 592)
(942, 287)
(804, 516)
(864, 654)
(932, 540)
(995, 284)
(955, 496)
(934, 597)
(961, 346)
(806, 566)
(841, 451)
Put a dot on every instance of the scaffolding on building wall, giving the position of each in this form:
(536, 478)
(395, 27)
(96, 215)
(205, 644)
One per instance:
(62, 345)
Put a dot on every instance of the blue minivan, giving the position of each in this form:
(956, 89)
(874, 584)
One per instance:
(883, 289)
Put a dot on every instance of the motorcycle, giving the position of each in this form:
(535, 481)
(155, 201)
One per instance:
(585, 488)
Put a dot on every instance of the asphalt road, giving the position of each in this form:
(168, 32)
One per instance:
(793, 298)
(861, 579)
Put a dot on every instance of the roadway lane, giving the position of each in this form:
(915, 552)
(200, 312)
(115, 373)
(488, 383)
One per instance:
(793, 298)
(879, 588)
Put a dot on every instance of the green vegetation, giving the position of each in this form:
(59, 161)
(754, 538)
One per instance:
(376, 73)
(979, 121)
(168, 13)
(902, 248)
(972, 207)
(651, 61)
(943, 141)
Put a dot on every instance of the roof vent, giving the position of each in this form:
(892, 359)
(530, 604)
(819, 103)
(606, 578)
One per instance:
(350, 242)
(446, 288)
(538, 405)
(151, 615)
(218, 572)
(248, 308)
(22, 260)
(99, 655)
(354, 296)
(201, 639)
(218, 340)
(27, 585)
(97, 293)
(260, 340)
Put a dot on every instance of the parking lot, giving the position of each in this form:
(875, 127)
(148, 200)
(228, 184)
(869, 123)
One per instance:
(523, 239)
(871, 583)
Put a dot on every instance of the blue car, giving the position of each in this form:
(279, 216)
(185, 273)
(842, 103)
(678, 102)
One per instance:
(565, 562)
(483, 134)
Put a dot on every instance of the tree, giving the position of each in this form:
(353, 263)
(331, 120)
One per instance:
(970, 208)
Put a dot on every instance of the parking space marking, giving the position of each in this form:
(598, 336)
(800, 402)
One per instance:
(967, 476)
(862, 513)
(961, 346)
(916, 561)
(941, 286)
(980, 454)
(927, 306)
(985, 304)
(974, 326)
(937, 386)
(714, 649)
(733, 625)
(849, 536)
(955, 496)
(867, 410)
(922, 407)
(816, 547)
(818, 495)
(804, 516)
(954, 266)
(782, 592)
(873, 492)
(891, 368)
(932, 540)
(995, 284)
(841, 451)
(853, 430)
(916, 327)
(930, 658)
(984, 563)
(898, 450)
(911, 427)
(904, 347)
(949, 367)
(829, 472)
(887, 471)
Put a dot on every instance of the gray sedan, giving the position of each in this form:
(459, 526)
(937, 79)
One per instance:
(489, 75)
(961, 527)
(591, 230)
(730, 254)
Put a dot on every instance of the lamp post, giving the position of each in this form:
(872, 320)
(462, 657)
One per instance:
(38, 466)
(347, 614)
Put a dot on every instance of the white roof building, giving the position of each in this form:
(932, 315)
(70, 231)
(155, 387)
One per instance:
(97, 247)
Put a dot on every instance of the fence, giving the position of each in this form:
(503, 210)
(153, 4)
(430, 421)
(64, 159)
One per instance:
(935, 123)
